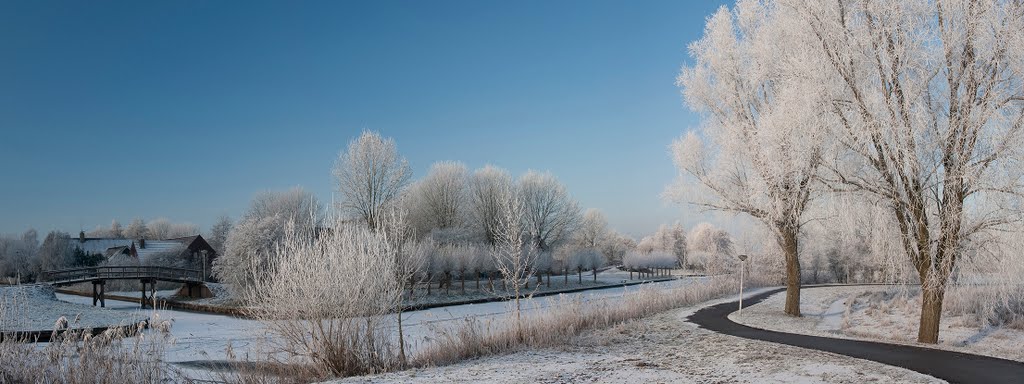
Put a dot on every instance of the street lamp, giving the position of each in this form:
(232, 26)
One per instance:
(743, 260)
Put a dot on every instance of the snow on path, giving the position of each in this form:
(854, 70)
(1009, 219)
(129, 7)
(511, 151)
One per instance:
(871, 319)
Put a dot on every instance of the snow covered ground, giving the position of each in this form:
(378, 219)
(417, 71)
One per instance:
(878, 313)
(200, 336)
(36, 308)
(664, 348)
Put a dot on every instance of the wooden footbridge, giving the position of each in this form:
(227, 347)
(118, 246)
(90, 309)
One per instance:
(147, 275)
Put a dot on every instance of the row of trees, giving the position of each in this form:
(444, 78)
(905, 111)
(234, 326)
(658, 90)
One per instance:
(453, 212)
(912, 110)
(159, 229)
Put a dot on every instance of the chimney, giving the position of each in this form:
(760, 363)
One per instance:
(142, 243)
(81, 237)
(134, 252)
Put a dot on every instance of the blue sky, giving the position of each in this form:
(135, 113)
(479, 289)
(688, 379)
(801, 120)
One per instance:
(186, 109)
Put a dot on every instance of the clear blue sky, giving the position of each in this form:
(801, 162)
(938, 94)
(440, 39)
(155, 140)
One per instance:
(186, 109)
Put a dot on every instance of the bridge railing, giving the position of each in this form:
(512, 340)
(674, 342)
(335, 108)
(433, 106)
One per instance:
(123, 272)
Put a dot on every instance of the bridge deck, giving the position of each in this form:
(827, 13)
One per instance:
(91, 274)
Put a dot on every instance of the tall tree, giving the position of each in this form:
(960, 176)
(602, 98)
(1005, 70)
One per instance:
(370, 176)
(487, 189)
(763, 144)
(219, 233)
(593, 228)
(550, 214)
(136, 229)
(440, 199)
(250, 245)
(927, 100)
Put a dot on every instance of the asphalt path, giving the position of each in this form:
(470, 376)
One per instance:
(953, 367)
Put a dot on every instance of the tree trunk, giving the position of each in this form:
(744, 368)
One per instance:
(566, 277)
(595, 275)
(580, 272)
(790, 245)
(401, 337)
(931, 314)
(549, 279)
(462, 279)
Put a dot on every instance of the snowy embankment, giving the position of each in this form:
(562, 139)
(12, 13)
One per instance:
(30, 308)
(879, 313)
(660, 348)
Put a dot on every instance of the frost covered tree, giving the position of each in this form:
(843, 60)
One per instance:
(136, 229)
(371, 176)
(18, 255)
(327, 300)
(927, 100)
(55, 252)
(712, 246)
(514, 255)
(439, 201)
(116, 231)
(593, 228)
(219, 233)
(163, 228)
(762, 142)
(250, 245)
(487, 189)
(550, 214)
(615, 246)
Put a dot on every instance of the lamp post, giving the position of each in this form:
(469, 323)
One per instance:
(743, 261)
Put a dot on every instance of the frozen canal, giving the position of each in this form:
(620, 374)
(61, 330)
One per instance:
(203, 337)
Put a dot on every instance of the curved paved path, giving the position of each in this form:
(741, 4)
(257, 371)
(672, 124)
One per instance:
(953, 367)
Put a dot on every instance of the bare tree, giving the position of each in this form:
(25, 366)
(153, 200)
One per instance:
(763, 144)
(513, 256)
(550, 214)
(370, 175)
(927, 100)
(487, 187)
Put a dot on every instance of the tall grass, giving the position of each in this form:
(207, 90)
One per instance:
(564, 321)
(118, 355)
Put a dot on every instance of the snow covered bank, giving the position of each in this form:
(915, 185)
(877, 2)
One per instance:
(879, 313)
(660, 348)
(36, 308)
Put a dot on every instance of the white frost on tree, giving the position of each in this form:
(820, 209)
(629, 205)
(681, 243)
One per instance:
(371, 176)
(762, 140)
(927, 99)
(550, 214)
(250, 244)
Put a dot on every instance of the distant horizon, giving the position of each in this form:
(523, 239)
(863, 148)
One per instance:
(111, 111)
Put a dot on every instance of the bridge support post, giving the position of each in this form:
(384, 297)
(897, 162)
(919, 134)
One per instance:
(143, 301)
(99, 293)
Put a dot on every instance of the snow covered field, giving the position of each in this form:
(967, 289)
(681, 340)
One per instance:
(206, 337)
(664, 348)
(878, 313)
(36, 308)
